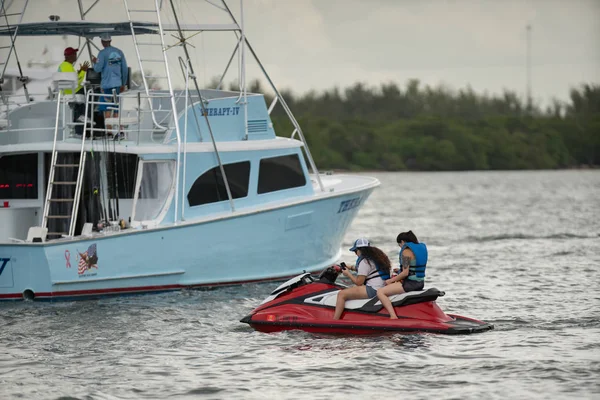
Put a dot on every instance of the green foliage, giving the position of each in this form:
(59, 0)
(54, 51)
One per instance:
(432, 129)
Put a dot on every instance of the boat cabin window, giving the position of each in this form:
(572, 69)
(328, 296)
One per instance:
(279, 173)
(210, 186)
(19, 176)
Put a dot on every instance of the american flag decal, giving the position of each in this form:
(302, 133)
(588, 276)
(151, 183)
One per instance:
(87, 260)
(82, 265)
(91, 251)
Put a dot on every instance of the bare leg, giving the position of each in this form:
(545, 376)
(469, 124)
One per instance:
(384, 292)
(356, 292)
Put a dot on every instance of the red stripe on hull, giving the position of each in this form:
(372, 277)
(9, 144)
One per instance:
(11, 296)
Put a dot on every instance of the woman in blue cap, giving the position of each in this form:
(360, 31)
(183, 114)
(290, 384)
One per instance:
(413, 262)
(373, 268)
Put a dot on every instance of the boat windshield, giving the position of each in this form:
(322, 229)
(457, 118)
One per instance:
(154, 189)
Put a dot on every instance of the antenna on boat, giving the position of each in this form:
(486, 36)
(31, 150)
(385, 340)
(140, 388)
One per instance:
(242, 70)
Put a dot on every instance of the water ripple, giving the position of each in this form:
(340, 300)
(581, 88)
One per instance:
(501, 249)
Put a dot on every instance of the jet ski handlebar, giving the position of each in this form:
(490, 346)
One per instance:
(330, 274)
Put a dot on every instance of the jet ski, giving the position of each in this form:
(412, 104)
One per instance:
(307, 303)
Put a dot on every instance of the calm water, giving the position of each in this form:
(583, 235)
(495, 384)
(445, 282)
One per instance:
(518, 249)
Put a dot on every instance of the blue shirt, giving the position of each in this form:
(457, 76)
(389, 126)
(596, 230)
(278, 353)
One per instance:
(112, 65)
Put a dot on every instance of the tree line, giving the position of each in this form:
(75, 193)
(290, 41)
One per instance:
(423, 128)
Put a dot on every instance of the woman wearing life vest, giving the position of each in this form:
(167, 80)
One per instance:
(413, 261)
(373, 268)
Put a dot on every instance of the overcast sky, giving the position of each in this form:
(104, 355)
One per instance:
(318, 44)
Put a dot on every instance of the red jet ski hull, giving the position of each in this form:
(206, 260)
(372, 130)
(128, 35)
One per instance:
(299, 308)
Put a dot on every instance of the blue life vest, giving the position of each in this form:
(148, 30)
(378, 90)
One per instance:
(416, 271)
(382, 273)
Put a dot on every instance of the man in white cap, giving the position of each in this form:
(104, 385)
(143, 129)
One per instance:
(112, 66)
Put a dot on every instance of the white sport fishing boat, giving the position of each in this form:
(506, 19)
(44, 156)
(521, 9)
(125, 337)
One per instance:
(179, 188)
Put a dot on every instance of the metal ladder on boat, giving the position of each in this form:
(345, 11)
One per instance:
(6, 51)
(148, 56)
(167, 76)
(67, 205)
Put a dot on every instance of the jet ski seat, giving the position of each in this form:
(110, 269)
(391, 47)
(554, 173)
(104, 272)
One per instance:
(373, 304)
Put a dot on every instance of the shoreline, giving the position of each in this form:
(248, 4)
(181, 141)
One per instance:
(345, 171)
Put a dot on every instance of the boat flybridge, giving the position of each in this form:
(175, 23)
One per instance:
(169, 188)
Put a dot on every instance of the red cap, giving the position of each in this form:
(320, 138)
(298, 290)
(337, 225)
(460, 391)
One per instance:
(69, 51)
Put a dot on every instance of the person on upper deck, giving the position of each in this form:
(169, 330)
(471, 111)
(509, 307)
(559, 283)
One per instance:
(373, 268)
(112, 66)
(413, 262)
(68, 66)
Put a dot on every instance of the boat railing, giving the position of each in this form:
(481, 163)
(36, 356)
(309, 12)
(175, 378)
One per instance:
(22, 122)
(19, 98)
(10, 100)
(130, 120)
(133, 116)
(130, 116)
(4, 110)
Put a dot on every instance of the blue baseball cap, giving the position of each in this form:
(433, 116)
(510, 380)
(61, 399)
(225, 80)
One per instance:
(361, 242)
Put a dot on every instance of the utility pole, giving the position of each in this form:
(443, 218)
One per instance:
(528, 71)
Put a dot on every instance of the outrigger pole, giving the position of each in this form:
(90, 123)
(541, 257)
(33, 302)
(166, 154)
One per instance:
(82, 15)
(281, 100)
(12, 48)
(183, 42)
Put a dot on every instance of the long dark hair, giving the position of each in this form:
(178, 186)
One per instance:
(378, 256)
(407, 237)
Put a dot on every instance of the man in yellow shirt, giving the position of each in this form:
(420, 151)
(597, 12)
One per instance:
(67, 66)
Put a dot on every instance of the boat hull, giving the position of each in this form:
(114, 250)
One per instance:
(459, 325)
(267, 244)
